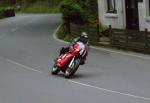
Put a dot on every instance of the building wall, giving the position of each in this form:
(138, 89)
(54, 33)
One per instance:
(115, 20)
(119, 20)
(144, 18)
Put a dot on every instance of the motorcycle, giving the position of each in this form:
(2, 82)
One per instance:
(69, 62)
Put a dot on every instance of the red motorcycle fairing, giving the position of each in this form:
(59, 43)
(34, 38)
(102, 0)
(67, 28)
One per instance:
(64, 59)
(70, 60)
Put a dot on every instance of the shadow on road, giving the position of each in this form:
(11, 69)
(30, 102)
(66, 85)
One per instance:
(85, 75)
(75, 76)
(80, 75)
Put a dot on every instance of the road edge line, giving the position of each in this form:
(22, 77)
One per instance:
(110, 91)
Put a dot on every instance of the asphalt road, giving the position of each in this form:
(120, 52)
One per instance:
(27, 50)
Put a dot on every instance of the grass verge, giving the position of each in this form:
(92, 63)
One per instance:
(40, 7)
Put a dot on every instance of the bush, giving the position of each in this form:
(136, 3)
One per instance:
(9, 12)
(61, 32)
(91, 11)
(68, 38)
(1, 13)
(39, 6)
(72, 12)
(103, 28)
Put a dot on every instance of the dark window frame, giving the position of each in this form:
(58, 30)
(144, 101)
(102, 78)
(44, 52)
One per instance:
(109, 10)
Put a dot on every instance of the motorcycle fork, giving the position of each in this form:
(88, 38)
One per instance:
(71, 63)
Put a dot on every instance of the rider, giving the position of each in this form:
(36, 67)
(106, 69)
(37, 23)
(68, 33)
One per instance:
(82, 38)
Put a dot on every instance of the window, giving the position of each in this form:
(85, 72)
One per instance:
(111, 6)
(147, 4)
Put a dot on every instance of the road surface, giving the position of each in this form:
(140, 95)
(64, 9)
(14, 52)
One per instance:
(27, 50)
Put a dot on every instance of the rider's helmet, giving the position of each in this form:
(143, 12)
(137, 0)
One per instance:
(84, 37)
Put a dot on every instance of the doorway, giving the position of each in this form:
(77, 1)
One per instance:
(132, 16)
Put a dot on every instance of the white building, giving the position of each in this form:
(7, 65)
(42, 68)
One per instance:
(125, 14)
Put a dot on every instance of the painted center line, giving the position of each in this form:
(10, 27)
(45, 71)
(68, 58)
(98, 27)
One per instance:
(25, 67)
(110, 91)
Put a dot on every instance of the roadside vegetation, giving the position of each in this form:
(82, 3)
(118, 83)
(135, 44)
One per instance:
(32, 6)
(80, 13)
(6, 9)
(38, 6)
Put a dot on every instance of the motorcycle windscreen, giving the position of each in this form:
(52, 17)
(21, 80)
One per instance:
(64, 59)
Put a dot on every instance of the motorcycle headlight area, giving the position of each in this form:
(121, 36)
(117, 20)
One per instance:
(63, 56)
(71, 49)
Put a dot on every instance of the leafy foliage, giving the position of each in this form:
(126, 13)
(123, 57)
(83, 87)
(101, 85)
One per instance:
(1, 13)
(7, 12)
(39, 6)
(68, 38)
(72, 12)
(80, 11)
(91, 11)
(33, 6)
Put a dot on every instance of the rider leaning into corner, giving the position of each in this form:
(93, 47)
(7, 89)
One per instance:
(83, 38)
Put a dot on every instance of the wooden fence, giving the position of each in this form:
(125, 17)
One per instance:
(124, 39)
(129, 39)
(93, 33)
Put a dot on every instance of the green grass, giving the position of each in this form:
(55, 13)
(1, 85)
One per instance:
(40, 7)
(2, 6)
(1, 12)
(68, 38)
(103, 28)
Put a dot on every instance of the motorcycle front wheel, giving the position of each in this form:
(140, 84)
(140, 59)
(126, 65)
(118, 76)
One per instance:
(70, 71)
(55, 70)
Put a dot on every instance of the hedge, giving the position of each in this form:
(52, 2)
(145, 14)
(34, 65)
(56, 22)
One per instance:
(72, 12)
(1, 13)
(7, 12)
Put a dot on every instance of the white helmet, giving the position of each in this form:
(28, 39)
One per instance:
(84, 37)
(84, 34)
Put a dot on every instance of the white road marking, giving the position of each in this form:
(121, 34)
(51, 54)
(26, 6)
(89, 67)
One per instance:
(122, 53)
(56, 38)
(104, 49)
(25, 67)
(111, 91)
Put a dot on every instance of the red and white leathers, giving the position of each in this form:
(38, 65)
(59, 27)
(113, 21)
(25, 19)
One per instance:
(83, 52)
